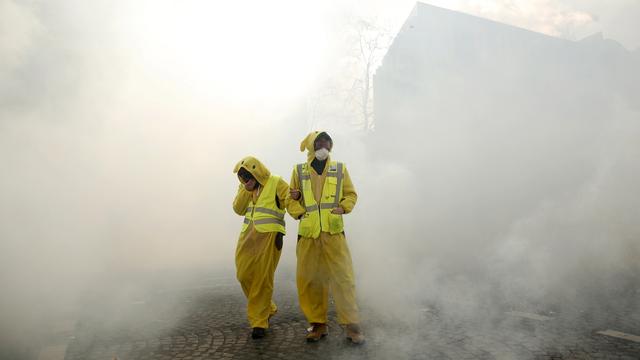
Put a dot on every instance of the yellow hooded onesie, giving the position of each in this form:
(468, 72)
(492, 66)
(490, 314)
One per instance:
(260, 242)
(323, 258)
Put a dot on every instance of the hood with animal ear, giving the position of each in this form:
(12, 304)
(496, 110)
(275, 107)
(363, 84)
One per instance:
(308, 144)
(255, 167)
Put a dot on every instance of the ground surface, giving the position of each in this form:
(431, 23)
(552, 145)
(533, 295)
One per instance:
(208, 322)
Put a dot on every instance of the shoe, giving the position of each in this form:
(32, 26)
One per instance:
(318, 331)
(258, 333)
(354, 334)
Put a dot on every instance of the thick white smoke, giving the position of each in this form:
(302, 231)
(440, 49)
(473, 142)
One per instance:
(114, 167)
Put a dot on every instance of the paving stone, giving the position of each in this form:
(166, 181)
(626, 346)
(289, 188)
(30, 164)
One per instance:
(210, 323)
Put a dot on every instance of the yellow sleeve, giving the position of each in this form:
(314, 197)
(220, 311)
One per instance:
(294, 207)
(242, 200)
(349, 195)
(282, 192)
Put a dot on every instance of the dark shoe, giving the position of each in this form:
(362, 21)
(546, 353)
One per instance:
(318, 331)
(354, 334)
(258, 333)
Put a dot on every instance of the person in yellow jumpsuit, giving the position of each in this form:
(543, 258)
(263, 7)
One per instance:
(261, 199)
(321, 192)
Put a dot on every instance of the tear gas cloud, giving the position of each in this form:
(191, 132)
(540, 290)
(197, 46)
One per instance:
(120, 124)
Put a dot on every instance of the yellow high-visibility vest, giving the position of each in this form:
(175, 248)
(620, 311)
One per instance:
(265, 213)
(318, 217)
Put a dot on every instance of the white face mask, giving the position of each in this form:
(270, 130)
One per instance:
(322, 154)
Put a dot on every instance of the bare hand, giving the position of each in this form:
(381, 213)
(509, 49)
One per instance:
(338, 211)
(295, 194)
(250, 185)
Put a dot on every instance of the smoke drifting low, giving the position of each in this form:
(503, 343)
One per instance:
(116, 170)
(435, 238)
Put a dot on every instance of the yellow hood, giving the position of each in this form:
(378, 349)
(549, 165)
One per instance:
(255, 167)
(307, 144)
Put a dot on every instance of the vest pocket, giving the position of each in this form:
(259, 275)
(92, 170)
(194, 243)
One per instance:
(336, 224)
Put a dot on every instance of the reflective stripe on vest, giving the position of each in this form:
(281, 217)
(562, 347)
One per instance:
(264, 221)
(268, 221)
(263, 210)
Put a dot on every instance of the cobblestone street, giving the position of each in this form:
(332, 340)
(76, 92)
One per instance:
(209, 322)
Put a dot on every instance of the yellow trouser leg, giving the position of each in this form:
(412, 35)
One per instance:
(256, 261)
(341, 278)
(311, 278)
